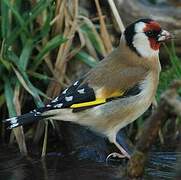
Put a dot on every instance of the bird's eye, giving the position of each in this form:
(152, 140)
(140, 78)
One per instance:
(150, 33)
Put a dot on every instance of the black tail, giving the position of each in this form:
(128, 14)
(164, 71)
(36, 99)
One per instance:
(27, 118)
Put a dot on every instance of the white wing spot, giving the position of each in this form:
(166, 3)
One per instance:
(13, 120)
(14, 125)
(10, 119)
(58, 105)
(48, 105)
(75, 83)
(38, 113)
(69, 98)
(33, 111)
(55, 100)
(65, 91)
(81, 91)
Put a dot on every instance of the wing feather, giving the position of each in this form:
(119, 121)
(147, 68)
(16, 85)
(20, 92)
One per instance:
(112, 78)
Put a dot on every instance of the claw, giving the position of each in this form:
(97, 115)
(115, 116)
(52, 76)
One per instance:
(115, 154)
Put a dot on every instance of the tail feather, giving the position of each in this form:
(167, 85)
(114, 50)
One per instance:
(24, 119)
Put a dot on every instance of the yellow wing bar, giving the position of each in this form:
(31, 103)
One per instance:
(91, 103)
(116, 94)
(97, 101)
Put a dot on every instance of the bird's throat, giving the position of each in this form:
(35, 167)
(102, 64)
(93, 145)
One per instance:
(154, 44)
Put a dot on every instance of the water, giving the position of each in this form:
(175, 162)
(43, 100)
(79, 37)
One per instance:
(13, 166)
(162, 165)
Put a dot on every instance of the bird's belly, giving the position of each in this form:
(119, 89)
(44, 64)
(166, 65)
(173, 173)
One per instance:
(110, 117)
(116, 114)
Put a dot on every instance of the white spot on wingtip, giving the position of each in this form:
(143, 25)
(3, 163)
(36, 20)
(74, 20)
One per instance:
(58, 105)
(11, 119)
(55, 100)
(38, 113)
(81, 91)
(65, 91)
(14, 120)
(75, 83)
(139, 27)
(69, 98)
(14, 125)
(33, 111)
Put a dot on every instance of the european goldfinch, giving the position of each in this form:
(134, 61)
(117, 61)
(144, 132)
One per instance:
(114, 93)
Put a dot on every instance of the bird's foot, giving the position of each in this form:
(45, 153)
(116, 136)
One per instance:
(118, 155)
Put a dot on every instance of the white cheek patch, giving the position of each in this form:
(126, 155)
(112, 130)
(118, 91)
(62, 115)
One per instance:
(141, 42)
(139, 27)
(142, 45)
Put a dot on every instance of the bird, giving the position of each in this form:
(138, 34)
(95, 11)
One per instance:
(114, 93)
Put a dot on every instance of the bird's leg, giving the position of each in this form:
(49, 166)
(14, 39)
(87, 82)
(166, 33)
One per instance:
(123, 144)
(123, 154)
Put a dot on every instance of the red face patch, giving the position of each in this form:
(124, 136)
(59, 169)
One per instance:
(153, 26)
(154, 44)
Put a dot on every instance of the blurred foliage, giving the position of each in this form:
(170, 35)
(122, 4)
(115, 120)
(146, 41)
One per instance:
(37, 39)
(153, 1)
(26, 39)
(171, 72)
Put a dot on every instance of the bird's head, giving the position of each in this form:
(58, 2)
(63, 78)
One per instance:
(145, 36)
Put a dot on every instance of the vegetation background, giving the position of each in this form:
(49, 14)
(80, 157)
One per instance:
(47, 44)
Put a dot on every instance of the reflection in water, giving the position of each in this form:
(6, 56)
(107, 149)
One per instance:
(162, 165)
(54, 166)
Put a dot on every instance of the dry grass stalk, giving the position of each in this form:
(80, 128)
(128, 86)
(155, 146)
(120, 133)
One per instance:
(18, 132)
(58, 21)
(103, 30)
(68, 29)
(77, 49)
(90, 47)
(45, 140)
(116, 15)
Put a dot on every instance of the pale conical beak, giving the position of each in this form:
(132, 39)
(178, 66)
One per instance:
(164, 35)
